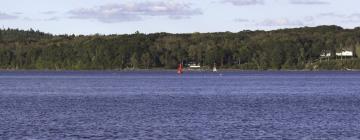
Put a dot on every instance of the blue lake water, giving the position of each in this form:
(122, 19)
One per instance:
(163, 105)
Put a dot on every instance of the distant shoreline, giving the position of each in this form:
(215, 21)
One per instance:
(298, 49)
(170, 70)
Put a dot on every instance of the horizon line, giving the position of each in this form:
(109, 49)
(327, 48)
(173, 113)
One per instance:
(148, 33)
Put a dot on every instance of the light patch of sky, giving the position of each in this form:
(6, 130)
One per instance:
(217, 16)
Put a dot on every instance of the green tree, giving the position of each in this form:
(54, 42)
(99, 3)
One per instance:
(134, 61)
(146, 60)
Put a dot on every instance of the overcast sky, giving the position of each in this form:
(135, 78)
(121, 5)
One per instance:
(175, 16)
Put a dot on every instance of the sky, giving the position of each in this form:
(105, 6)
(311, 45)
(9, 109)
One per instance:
(174, 16)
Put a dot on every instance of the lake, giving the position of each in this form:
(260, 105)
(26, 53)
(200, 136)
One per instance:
(164, 105)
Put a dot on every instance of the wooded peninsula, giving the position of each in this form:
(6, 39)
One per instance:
(307, 48)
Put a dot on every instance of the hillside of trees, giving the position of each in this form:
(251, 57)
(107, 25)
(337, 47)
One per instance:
(298, 48)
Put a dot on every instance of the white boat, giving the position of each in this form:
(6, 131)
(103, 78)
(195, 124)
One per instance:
(214, 68)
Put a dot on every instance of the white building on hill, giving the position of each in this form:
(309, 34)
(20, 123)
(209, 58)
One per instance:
(345, 54)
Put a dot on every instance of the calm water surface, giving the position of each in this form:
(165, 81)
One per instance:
(163, 105)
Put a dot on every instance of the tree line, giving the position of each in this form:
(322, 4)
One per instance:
(297, 48)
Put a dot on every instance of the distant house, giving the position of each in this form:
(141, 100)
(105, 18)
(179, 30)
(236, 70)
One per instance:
(345, 54)
(325, 54)
(194, 66)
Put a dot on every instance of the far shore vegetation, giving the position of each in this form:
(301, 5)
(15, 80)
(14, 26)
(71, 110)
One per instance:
(307, 48)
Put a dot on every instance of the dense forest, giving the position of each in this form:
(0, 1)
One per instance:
(298, 48)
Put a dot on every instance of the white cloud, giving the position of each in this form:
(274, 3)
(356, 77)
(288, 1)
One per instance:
(308, 2)
(135, 11)
(309, 18)
(280, 22)
(354, 17)
(331, 15)
(5, 16)
(49, 12)
(244, 2)
(241, 20)
(52, 19)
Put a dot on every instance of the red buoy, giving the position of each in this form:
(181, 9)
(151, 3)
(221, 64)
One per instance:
(180, 69)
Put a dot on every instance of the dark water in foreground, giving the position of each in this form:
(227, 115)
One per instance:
(163, 105)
